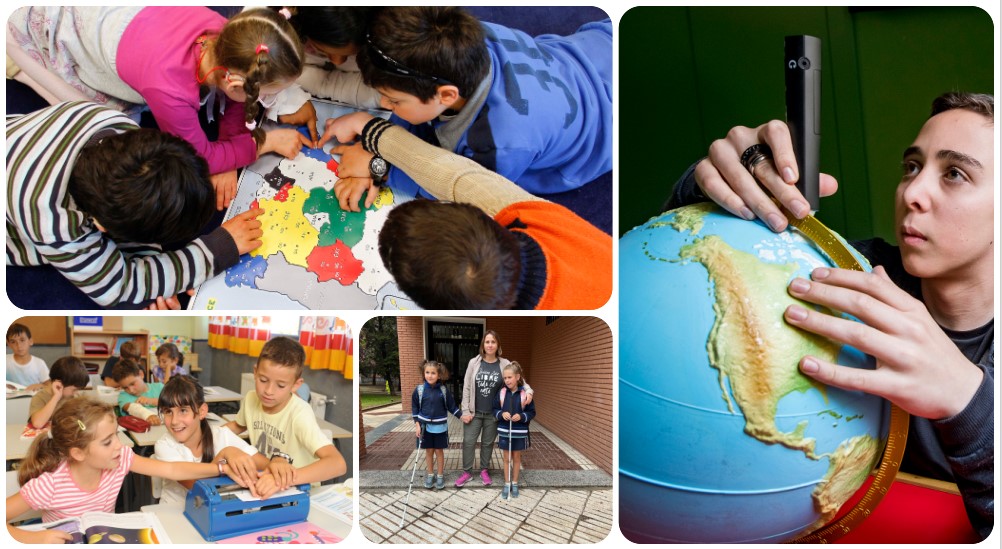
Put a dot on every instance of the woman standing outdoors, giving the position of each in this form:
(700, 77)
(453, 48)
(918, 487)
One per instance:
(481, 384)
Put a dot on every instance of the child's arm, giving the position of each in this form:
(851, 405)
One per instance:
(450, 403)
(42, 416)
(329, 464)
(179, 470)
(16, 505)
(236, 428)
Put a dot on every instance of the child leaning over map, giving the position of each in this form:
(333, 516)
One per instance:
(487, 243)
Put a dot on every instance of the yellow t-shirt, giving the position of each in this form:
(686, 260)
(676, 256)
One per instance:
(293, 431)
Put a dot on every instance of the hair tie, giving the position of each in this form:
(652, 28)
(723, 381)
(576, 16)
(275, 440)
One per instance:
(252, 125)
(81, 425)
(262, 47)
(286, 13)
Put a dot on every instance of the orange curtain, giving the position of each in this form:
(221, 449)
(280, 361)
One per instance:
(244, 335)
(328, 343)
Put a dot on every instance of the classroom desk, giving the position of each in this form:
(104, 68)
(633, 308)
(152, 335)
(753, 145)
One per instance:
(17, 448)
(337, 433)
(180, 529)
(221, 397)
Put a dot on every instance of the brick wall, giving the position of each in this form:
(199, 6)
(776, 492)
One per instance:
(410, 339)
(571, 372)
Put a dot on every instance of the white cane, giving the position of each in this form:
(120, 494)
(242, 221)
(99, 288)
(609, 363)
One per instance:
(413, 472)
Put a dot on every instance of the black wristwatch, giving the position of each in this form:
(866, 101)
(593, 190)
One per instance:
(378, 168)
(277, 454)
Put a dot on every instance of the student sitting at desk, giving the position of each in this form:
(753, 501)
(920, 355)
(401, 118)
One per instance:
(191, 438)
(80, 466)
(169, 363)
(67, 375)
(137, 398)
(284, 428)
(22, 367)
(128, 350)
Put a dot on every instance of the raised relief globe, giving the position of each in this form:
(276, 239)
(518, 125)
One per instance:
(721, 438)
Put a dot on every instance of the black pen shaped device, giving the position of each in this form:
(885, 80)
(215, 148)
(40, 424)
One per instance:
(803, 110)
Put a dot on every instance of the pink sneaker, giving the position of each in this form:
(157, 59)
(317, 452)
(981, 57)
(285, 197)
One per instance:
(486, 477)
(463, 479)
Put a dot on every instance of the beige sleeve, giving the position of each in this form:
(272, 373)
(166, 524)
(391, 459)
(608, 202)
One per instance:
(449, 176)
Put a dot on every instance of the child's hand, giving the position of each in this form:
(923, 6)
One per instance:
(46, 536)
(345, 128)
(349, 191)
(57, 389)
(305, 116)
(245, 230)
(154, 420)
(354, 161)
(225, 185)
(506, 416)
(467, 419)
(417, 430)
(242, 466)
(266, 486)
(516, 417)
(285, 141)
(284, 473)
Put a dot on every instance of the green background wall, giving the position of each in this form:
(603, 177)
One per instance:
(687, 75)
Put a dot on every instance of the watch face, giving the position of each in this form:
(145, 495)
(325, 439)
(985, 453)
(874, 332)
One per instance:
(378, 166)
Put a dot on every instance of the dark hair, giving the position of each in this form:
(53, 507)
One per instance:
(980, 103)
(443, 372)
(171, 351)
(144, 186)
(18, 329)
(238, 48)
(336, 26)
(124, 368)
(496, 340)
(69, 370)
(72, 426)
(443, 42)
(185, 392)
(446, 255)
(284, 351)
(130, 349)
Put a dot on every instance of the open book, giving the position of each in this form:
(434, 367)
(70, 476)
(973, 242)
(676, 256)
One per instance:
(109, 528)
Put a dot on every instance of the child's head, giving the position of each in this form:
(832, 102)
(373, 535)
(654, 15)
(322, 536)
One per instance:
(144, 186)
(169, 356)
(278, 373)
(129, 376)
(434, 371)
(183, 409)
(82, 430)
(512, 374)
(446, 255)
(335, 32)
(422, 59)
(19, 340)
(490, 344)
(262, 56)
(71, 372)
(129, 349)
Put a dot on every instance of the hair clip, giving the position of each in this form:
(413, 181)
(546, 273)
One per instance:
(261, 48)
(252, 125)
(82, 426)
(286, 13)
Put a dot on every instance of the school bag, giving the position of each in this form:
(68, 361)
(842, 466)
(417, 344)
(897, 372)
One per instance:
(420, 394)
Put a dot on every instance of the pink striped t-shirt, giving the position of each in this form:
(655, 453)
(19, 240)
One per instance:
(58, 496)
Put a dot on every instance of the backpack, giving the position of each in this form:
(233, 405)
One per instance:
(420, 395)
(504, 391)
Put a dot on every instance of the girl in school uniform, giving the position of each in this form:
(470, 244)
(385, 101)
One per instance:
(190, 438)
(431, 404)
(514, 412)
(79, 466)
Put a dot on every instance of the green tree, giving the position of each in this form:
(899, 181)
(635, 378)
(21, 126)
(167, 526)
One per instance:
(380, 354)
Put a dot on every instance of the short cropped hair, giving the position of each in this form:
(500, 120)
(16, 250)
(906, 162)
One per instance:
(144, 186)
(130, 349)
(286, 352)
(443, 42)
(336, 26)
(69, 370)
(18, 329)
(447, 255)
(980, 103)
(124, 368)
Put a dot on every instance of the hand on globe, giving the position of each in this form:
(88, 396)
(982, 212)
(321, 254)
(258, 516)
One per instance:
(723, 178)
(918, 367)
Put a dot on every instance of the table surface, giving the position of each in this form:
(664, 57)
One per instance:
(181, 530)
(17, 447)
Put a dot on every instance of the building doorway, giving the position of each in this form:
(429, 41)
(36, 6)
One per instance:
(454, 344)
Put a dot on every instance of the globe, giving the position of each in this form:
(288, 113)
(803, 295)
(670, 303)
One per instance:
(721, 438)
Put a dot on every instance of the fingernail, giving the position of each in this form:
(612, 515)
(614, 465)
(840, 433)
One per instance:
(788, 175)
(747, 213)
(800, 209)
(809, 365)
(796, 312)
(820, 273)
(799, 286)
(776, 221)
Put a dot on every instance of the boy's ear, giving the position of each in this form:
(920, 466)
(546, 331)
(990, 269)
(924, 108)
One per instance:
(297, 385)
(448, 95)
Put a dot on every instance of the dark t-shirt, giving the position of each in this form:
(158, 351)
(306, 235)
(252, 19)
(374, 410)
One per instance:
(488, 382)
